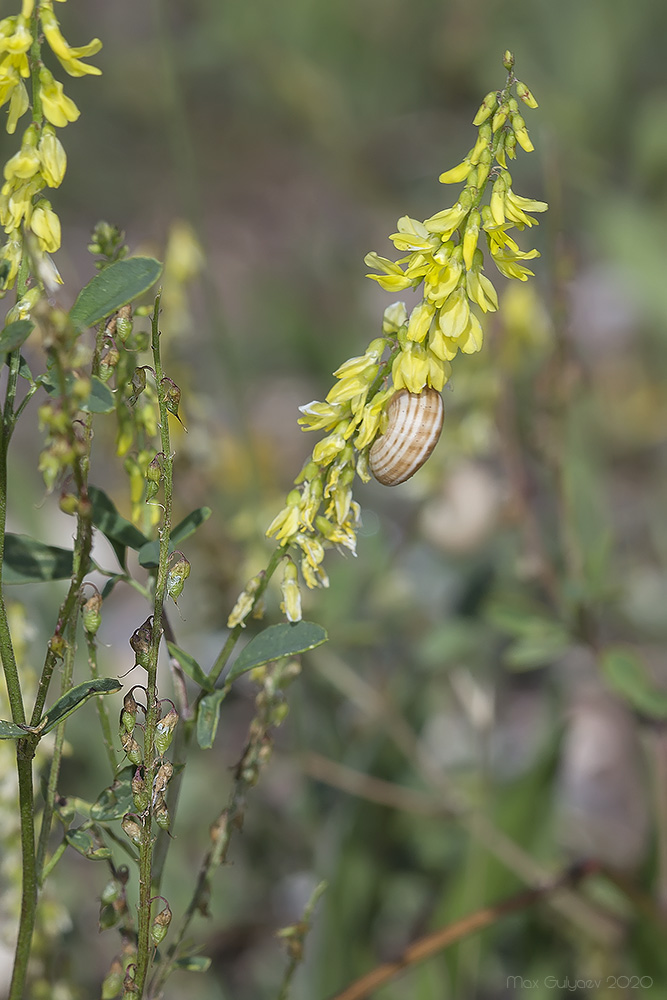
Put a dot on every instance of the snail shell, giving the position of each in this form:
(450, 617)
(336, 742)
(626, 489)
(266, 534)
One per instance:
(415, 422)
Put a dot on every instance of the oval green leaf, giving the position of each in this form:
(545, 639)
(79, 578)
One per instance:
(539, 649)
(626, 674)
(100, 399)
(149, 554)
(116, 800)
(115, 286)
(10, 731)
(29, 561)
(208, 715)
(193, 963)
(14, 335)
(277, 641)
(76, 696)
(120, 532)
(190, 666)
(85, 843)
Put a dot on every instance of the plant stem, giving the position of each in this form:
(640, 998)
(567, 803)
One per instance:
(54, 771)
(144, 946)
(102, 712)
(233, 636)
(25, 749)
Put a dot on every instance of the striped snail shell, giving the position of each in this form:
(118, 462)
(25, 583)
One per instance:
(415, 422)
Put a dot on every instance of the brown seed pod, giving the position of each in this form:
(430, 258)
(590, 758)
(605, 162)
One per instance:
(415, 422)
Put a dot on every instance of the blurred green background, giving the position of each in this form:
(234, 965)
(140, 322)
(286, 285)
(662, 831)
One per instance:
(291, 136)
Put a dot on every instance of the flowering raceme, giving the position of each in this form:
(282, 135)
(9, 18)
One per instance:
(442, 256)
(41, 160)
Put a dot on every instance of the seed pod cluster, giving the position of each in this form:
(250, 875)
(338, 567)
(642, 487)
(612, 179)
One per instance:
(415, 423)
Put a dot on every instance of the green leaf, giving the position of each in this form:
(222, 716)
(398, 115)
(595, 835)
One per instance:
(100, 399)
(76, 696)
(10, 731)
(190, 666)
(24, 371)
(538, 649)
(275, 642)
(30, 561)
(518, 615)
(193, 963)
(116, 800)
(208, 715)
(149, 555)
(14, 334)
(115, 286)
(626, 674)
(85, 843)
(120, 532)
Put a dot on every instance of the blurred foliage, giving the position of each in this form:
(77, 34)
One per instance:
(464, 637)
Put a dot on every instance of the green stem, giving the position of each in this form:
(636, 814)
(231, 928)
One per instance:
(102, 713)
(144, 945)
(25, 749)
(54, 770)
(233, 636)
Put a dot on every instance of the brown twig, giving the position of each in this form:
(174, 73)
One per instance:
(430, 944)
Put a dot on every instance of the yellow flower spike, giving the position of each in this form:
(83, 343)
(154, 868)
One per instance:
(443, 255)
(52, 157)
(420, 321)
(470, 238)
(291, 602)
(69, 58)
(57, 108)
(457, 174)
(486, 108)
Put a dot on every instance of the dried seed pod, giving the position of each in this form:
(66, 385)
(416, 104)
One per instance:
(415, 422)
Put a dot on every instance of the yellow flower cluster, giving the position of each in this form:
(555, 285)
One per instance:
(40, 161)
(417, 349)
